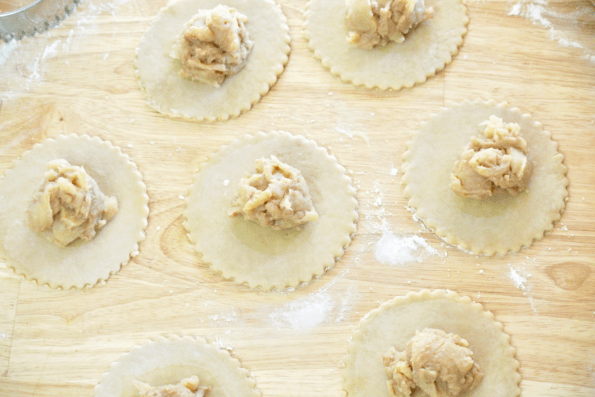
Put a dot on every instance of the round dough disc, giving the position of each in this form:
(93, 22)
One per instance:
(167, 361)
(503, 222)
(79, 264)
(260, 256)
(425, 51)
(394, 323)
(175, 96)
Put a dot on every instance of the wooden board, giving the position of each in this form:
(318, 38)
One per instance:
(78, 78)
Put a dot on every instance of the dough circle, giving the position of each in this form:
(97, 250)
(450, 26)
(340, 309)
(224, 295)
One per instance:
(260, 256)
(394, 323)
(80, 264)
(175, 96)
(502, 223)
(425, 51)
(169, 360)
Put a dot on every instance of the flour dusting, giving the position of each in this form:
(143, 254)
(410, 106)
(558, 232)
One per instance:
(7, 49)
(352, 134)
(317, 308)
(400, 250)
(540, 12)
(23, 63)
(305, 313)
(519, 279)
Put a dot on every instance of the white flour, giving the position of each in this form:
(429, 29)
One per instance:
(313, 310)
(319, 307)
(7, 49)
(541, 13)
(400, 250)
(351, 134)
(519, 278)
(304, 313)
(23, 63)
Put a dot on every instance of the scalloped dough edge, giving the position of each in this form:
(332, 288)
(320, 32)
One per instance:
(193, 340)
(347, 78)
(264, 89)
(450, 238)
(141, 236)
(425, 295)
(238, 143)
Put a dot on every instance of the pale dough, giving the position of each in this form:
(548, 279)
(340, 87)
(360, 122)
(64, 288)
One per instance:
(395, 322)
(425, 50)
(176, 96)
(79, 264)
(169, 360)
(501, 223)
(260, 256)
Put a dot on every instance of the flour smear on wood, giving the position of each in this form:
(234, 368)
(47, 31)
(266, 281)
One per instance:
(556, 19)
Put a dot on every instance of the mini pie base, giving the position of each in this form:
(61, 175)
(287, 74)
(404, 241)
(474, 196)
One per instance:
(169, 360)
(82, 263)
(394, 323)
(176, 96)
(502, 223)
(259, 256)
(425, 51)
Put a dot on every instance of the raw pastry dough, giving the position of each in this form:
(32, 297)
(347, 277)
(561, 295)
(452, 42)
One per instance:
(169, 360)
(79, 264)
(395, 322)
(259, 256)
(176, 96)
(501, 223)
(425, 51)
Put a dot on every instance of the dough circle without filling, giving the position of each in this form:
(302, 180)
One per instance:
(175, 96)
(425, 51)
(260, 256)
(501, 223)
(79, 264)
(394, 323)
(169, 360)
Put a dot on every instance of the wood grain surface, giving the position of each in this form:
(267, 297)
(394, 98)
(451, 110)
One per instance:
(78, 78)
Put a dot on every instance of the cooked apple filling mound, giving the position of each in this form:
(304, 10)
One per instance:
(188, 387)
(378, 22)
(439, 364)
(69, 205)
(213, 45)
(276, 195)
(496, 161)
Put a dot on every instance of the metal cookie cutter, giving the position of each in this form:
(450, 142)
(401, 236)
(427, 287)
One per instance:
(37, 17)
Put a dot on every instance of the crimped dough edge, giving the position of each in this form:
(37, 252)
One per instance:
(333, 255)
(419, 77)
(348, 373)
(268, 81)
(139, 190)
(468, 246)
(192, 343)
